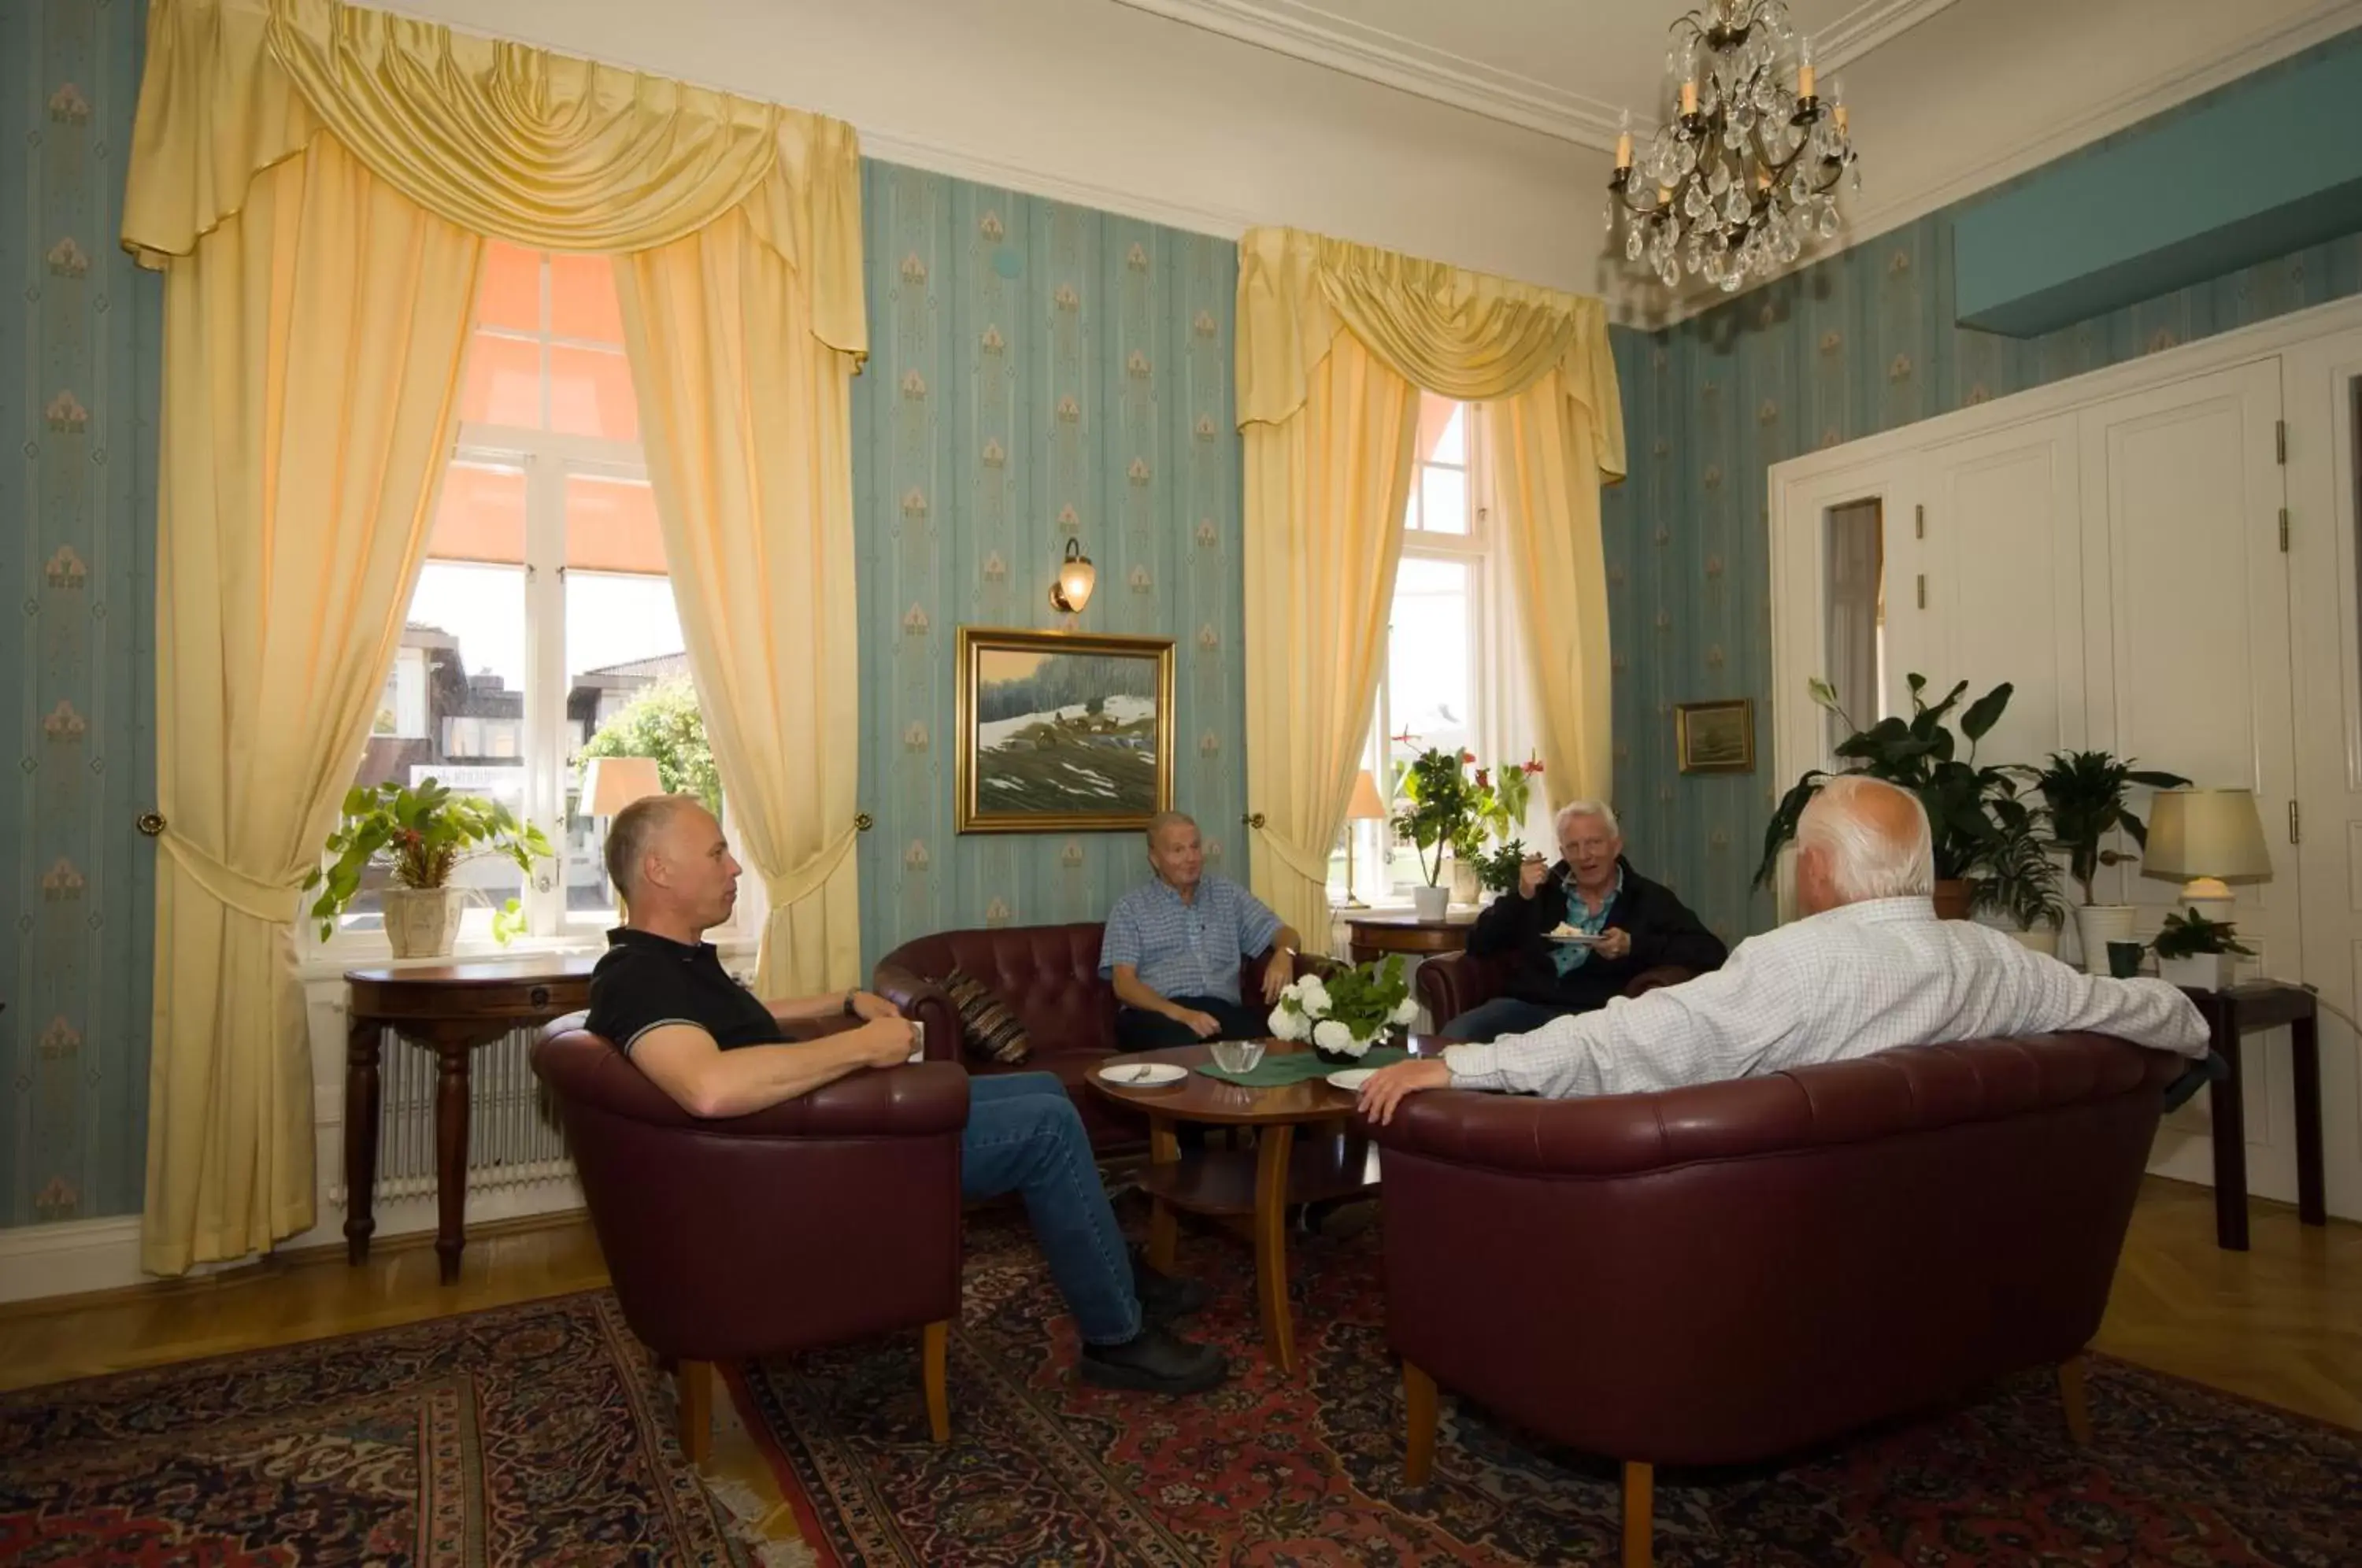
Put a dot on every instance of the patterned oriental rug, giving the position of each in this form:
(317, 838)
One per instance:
(532, 1434)
(1043, 1470)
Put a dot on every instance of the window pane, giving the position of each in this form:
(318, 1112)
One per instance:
(480, 516)
(1428, 659)
(454, 711)
(591, 395)
(1443, 500)
(511, 294)
(503, 383)
(628, 686)
(582, 299)
(1442, 430)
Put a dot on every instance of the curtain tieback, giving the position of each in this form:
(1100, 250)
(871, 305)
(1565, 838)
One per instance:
(1312, 869)
(794, 887)
(272, 901)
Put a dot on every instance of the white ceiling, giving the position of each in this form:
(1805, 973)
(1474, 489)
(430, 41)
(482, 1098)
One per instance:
(1562, 67)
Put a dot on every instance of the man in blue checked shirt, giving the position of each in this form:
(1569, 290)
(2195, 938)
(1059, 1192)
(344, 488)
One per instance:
(1174, 946)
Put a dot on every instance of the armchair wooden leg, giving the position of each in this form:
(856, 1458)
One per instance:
(934, 1342)
(2070, 1394)
(1418, 1401)
(1640, 1513)
(693, 1408)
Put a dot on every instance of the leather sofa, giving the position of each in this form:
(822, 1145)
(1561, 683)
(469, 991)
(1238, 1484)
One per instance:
(1729, 1272)
(1454, 983)
(716, 1233)
(1049, 975)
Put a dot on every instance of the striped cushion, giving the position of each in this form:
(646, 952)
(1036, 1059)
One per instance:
(991, 1030)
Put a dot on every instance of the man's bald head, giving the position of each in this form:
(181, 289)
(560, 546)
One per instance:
(1861, 839)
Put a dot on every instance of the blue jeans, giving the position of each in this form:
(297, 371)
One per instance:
(1024, 1135)
(1502, 1015)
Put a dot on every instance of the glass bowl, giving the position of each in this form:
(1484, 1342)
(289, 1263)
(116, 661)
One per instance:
(1238, 1055)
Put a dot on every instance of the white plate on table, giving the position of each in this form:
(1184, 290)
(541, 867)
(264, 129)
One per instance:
(1142, 1075)
(1351, 1079)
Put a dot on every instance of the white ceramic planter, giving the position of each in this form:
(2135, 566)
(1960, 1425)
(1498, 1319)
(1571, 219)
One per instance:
(2096, 925)
(2199, 972)
(423, 923)
(1428, 903)
(1464, 887)
(2042, 939)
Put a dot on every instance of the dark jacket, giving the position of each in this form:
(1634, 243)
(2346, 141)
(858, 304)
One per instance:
(1662, 929)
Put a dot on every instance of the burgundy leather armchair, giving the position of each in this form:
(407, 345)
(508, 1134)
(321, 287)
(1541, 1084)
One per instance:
(1454, 983)
(1049, 974)
(1732, 1271)
(826, 1219)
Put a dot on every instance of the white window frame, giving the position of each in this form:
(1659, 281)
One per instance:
(547, 460)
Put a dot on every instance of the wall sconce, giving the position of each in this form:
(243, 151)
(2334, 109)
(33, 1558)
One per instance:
(1077, 578)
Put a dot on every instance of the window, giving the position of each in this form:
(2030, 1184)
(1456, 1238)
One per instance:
(1443, 683)
(1855, 634)
(543, 625)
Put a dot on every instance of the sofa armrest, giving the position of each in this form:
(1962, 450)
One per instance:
(925, 1003)
(1664, 975)
(1453, 983)
(919, 1100)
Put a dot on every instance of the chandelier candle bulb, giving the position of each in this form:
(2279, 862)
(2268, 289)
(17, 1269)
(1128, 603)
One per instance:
(1689, 98)
(1803, 68)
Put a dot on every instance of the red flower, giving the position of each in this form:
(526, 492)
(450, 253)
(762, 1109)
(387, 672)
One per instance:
(1534, 767)
(1483, 779)
(1467, 756)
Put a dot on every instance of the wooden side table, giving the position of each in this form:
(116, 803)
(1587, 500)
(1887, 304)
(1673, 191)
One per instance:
(1373, 936)
(2245, 1009)
(449, 1009)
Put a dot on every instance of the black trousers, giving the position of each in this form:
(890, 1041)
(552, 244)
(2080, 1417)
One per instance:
(1136, 1029)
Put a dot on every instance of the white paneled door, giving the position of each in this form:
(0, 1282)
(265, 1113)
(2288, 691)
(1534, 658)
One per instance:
(2321, 383)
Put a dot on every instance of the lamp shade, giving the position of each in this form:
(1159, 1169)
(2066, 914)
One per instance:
(611, 783)
(2205, 832)
(1365, 806)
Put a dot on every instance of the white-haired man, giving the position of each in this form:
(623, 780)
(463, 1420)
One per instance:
(1624, 923)
(1868, 967)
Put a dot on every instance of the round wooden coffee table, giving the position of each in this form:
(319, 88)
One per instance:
(1256, 1185)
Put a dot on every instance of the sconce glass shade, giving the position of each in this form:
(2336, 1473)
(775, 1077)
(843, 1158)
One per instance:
(1077, 578)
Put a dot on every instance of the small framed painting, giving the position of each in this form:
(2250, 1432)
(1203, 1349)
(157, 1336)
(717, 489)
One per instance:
(1060, 732)
(1715, 737)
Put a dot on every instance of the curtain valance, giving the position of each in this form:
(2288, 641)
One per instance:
(1461, 335)
(542, 149)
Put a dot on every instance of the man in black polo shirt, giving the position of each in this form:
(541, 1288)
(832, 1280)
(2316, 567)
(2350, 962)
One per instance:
(661, 995)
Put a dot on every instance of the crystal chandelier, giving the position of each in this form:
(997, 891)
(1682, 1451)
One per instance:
(1746, 172)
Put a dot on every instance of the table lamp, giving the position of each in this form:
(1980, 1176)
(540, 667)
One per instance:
(611, 783)
(2205, 838)
(1364, 807)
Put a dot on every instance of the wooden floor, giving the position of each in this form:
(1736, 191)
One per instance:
(2281, 1323)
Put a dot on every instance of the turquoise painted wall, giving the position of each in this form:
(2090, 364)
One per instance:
(83, 358)
(1860, 343)
(1036, 371)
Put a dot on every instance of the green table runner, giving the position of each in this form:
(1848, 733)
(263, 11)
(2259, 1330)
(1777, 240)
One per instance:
(1296, 1066)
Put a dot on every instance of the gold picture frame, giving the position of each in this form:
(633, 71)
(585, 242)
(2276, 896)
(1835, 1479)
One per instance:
(1061, 731)
(1715, 737)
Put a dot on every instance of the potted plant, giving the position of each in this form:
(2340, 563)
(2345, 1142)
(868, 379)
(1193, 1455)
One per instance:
(2015, 878)
(1498, 872)
(421, 834)
(2196, 953)
(1440, 807)
(2083, 795)
(1921, 754)
(1502, 796)
(1348, 1011)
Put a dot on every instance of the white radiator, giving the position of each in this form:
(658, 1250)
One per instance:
(513, 1141)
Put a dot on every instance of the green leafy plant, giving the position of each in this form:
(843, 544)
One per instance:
(1968, 805)
(2084, 792)
(1500, 869)
(664, 722)
(1440, 806)
(1347, 1010)
(2190, 934)
(421, 834)
(2013, 874)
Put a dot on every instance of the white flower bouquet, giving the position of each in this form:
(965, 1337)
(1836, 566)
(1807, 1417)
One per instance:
(1348, 1012)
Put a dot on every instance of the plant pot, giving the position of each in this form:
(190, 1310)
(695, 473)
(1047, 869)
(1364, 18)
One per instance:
(2096, 925)
(2198, 972)
(423, 923)
(1428, 903)
(1464, 888)
(2041, 939)
(1954, 898)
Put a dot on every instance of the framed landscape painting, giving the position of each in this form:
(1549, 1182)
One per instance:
(1063, 731)
(1715, 737)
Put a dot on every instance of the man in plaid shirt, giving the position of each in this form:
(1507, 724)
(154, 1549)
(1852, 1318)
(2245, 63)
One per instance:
(1173, 945)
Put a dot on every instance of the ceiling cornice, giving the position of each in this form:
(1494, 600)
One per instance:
(1308, 33)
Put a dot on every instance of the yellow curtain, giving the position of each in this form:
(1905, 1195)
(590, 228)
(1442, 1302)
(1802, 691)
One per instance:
(315, 179)
(312, 358)
(745, 413)
(1325, 492)
(1539, 358)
